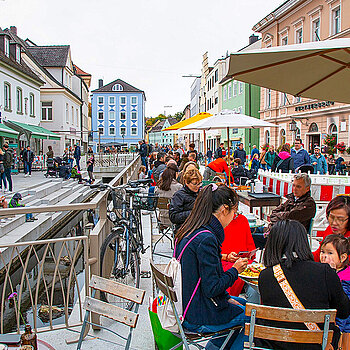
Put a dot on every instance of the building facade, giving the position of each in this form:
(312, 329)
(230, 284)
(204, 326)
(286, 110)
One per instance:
(118, 114)
(195, 92)
(299, 21)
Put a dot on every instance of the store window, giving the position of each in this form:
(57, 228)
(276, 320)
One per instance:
(333, 130)
(282, 137)
(267, 137)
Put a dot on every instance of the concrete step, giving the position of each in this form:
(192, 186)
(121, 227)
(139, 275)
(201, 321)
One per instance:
(45, 189)
(11, 224)
(57, 196)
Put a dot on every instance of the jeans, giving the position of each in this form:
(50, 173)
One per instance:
(28, 168)
(209, 160)
(251, 294)
(77, 160)
(8, 177)
(239, 337)
(144, 162)
(70, 163)
(3, 180)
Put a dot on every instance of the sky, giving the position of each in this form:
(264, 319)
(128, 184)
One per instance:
(150, 44)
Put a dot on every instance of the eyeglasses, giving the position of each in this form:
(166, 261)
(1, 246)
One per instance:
(338, 219)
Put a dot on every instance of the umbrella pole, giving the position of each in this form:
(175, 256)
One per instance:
(205, 147)
(229, 157)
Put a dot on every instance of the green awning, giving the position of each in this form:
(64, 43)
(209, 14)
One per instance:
(36, 132)
(8, 132)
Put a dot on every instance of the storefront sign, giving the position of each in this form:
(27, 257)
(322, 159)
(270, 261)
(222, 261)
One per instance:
(314, 106)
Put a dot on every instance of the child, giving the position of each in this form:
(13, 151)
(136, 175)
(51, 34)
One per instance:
(335, 250)
(14, 203)
(75, 173)
(142, 172)
(90, 169)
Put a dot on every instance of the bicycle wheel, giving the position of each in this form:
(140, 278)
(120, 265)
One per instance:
(137, 230)
(114, 248)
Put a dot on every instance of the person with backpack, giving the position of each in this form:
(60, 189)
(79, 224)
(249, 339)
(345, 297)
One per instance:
(283, 161)
(209, 308)
(240, 153)
(8, 158)
(28, 159)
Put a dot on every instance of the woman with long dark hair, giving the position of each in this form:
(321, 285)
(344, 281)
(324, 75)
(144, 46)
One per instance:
(283, 161)
(211, 308)
(316, 285)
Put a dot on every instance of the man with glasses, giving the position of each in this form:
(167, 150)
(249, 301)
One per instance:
(300, 155)
(299, 206)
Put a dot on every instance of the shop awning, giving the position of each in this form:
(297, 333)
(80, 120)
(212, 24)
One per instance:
(7, 132)
(34, 131)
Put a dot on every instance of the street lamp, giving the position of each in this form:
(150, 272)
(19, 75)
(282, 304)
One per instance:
(123, 135)
(293, 128)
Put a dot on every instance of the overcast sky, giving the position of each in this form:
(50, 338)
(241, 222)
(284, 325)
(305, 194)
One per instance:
(148, 43)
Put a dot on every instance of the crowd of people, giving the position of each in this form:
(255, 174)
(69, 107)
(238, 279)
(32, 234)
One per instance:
(208, 218)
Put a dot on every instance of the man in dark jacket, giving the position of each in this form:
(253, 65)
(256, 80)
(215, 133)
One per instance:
(8, 157)
(28, 159)
(159, 166)
(299, 206)
(240, 153)
(77, 155)
(300, 155)
(143, 153)
(218, 151)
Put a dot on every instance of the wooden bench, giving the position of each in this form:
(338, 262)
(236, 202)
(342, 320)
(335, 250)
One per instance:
(253, 330)
(126, 317)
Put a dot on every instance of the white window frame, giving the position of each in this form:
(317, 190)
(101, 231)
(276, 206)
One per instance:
(284, 40)
(297, 36)
(267, 137)
(103, 130)
(47, 108)
(268, 98)
(229, 91)
(121, 129)
(132, 131)
(241, 84)
(110, 131)
(7, 46)
(225, 93)
(120, 115)
(31, 105)
(132, 98)
(67, 113)
(121, 100)
(72, 115)
(110, 99)
(111, 115)
(335, 30)
(216, 99)
(18, 54)
(99, 115)
(235, 88)
(77, 116)
(7, 96)
(313, 27)
(19, 100)
(133, 113)
(100, 98)
(117, 87)
(283, 99)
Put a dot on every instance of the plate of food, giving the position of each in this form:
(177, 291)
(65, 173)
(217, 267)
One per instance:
(252, 271)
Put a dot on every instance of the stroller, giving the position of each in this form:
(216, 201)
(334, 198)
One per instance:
(51, 168)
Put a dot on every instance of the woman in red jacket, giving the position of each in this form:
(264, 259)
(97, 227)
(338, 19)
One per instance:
(338, 215)
(218, 165)
(238, 238)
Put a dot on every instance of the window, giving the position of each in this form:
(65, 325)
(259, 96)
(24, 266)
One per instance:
(67, 113)
(299, 36)
(241, 87)
(268, 98)
(283, 99)
(100, 100)
(7, 47)
(123, 115)
(117, 87)
(216, 74)
(76, 116)
(229, 91)
(19, 100)
(316, 30)
(216, 99)
(122, 131)
(133, 131)
(100, 130)
(7, 96)
(32, 105)
(235, 88)
(133, 115)
(46, 110)
(298, 134)
(313, 127)
(111, 100)
(239, 110)
(133, 100)
(282, 137)
(122, 100)
(267, 137)
(284, 41)
(100, 115)
(18, 54)
(112, 130)
(225, 92)
(336, 21)
(111, 115)
(297, 99)
(72, 115)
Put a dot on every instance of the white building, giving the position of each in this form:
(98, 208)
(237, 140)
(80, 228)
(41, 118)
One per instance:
(195, 95)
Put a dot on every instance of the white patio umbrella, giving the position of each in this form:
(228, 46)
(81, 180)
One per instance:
(318, 70)
(227, 119)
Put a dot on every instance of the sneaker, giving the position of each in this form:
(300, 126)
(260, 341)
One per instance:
(30, 175)
(25, 175)
(33, 218)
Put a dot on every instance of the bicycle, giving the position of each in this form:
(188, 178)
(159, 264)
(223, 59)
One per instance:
(120, 251)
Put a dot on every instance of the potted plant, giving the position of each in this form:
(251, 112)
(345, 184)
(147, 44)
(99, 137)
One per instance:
(330, 142)
(341, 147)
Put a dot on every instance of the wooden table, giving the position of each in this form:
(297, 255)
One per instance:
(252, 202)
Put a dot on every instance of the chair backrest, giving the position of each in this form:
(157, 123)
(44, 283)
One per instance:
(289, 315)
(163, 203)
(164, 282)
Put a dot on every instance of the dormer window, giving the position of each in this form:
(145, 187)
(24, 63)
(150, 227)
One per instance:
(7, 47)
(117, 87)
(18, 54)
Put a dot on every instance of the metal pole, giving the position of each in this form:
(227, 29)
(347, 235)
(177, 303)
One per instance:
(99, 146)
(205, 148)
(228, 157)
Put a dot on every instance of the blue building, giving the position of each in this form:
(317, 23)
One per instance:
(118, 114)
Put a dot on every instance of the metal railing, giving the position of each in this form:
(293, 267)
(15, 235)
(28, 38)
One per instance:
(113, 159)
(26, 254)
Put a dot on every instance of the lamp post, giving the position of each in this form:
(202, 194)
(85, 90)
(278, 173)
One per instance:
(293, 128)
(123, 135)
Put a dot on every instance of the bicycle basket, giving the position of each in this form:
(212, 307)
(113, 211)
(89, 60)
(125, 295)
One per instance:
(119, 199)
(146, 201)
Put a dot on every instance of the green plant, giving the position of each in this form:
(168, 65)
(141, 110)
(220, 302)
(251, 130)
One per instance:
(341, 147)
(348, 150)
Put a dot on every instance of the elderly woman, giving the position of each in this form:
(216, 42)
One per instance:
(338, 214)
(183, 200)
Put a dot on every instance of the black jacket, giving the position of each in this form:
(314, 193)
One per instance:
(8, 157)
(241, 154)
(143, 150)
(284, 166)
(316, 285)
(202, 259)
(239, 172)
(181, 205)
(28, 156)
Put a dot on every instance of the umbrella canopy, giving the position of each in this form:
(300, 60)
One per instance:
(318, 70)
(228, 119)
(186, 122)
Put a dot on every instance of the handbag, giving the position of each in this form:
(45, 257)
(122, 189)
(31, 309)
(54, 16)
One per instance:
(293, 299)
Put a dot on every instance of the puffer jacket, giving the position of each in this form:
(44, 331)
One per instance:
(284, 162)
(181, 205)
(301, 209)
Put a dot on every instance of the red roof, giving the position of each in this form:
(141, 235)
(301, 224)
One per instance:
(79, 71)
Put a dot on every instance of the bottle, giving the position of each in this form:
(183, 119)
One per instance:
(29, 337)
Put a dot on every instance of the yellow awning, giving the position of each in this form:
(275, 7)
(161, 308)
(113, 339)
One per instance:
(188, 121)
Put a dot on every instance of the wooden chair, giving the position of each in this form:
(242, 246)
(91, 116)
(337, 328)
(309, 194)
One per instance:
(270, 313)
(165, 284)
(165, 227)
(111, 311)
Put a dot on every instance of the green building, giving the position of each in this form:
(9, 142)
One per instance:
(245, 99)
